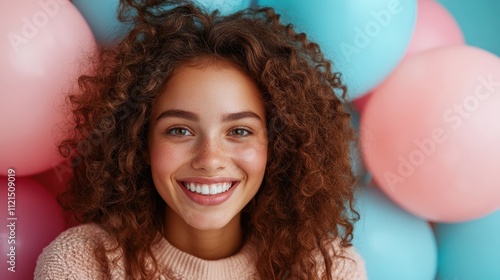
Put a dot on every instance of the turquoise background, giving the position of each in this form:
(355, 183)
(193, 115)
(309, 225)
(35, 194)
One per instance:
(479, 21)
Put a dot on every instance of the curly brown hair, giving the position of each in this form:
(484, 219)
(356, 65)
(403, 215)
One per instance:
(305, 199)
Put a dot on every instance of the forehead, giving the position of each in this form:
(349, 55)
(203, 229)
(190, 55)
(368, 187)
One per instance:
(197, 85)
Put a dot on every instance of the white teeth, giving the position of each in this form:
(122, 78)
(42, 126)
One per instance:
(213, 189)
(207, 189)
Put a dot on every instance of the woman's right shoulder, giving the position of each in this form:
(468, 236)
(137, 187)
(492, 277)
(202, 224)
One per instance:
(72, 255)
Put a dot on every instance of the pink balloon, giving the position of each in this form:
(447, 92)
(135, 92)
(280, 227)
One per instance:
(435, 27)
(32, 219)
(431, 134)
(56, 179)
(44, 46)
(360, 103)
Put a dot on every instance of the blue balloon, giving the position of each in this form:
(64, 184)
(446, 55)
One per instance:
(366, 40)
(102, 17)
(478, 20)
(470, 250)
(394, 244)
(225, 7)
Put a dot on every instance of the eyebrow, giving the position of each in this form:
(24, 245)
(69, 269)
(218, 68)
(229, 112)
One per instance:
(195, 117)
(178, 114)
(240, 115)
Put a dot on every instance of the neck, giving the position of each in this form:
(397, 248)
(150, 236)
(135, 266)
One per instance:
(205, 244)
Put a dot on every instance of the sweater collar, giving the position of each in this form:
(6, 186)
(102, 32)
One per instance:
(182, 265)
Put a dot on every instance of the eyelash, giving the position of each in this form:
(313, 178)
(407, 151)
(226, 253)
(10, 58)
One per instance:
(246, 130)
(172, 130)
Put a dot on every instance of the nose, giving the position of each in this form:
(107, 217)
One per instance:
(210, 155)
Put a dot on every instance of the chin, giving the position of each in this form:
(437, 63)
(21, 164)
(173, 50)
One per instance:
(209, 222)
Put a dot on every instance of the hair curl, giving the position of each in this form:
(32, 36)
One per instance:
(307, 189)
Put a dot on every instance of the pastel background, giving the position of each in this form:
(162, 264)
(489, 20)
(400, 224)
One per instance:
(424, 90)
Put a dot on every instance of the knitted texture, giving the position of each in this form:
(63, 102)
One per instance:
(72, 256)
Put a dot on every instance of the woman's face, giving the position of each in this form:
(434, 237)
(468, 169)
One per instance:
(207, 144)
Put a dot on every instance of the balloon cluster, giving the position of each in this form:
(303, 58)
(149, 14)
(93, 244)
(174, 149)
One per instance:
(44, 44)
(429, 106)
(429, 130)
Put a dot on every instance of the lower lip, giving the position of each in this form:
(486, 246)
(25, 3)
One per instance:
(209, 200)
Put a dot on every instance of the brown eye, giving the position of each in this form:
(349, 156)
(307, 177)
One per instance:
(179, 131)
(240, 132)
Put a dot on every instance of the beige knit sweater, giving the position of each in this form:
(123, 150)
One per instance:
(71, 256)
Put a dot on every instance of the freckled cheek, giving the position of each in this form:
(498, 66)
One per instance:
(166, 160)
(253, 158)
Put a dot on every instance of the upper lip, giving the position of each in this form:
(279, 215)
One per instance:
(205, 180)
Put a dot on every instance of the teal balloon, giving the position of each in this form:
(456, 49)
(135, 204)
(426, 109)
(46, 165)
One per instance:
(102, 17)
(366, 39)
(225, 7)
(394, 244)
(479, 21)
(470, 250)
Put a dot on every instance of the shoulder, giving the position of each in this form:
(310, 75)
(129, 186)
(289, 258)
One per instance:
(72, 254)
(348, 263)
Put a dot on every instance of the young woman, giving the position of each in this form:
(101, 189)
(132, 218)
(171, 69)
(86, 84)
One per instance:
(208, 147)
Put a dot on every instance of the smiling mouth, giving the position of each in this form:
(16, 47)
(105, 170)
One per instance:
(208, 189)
